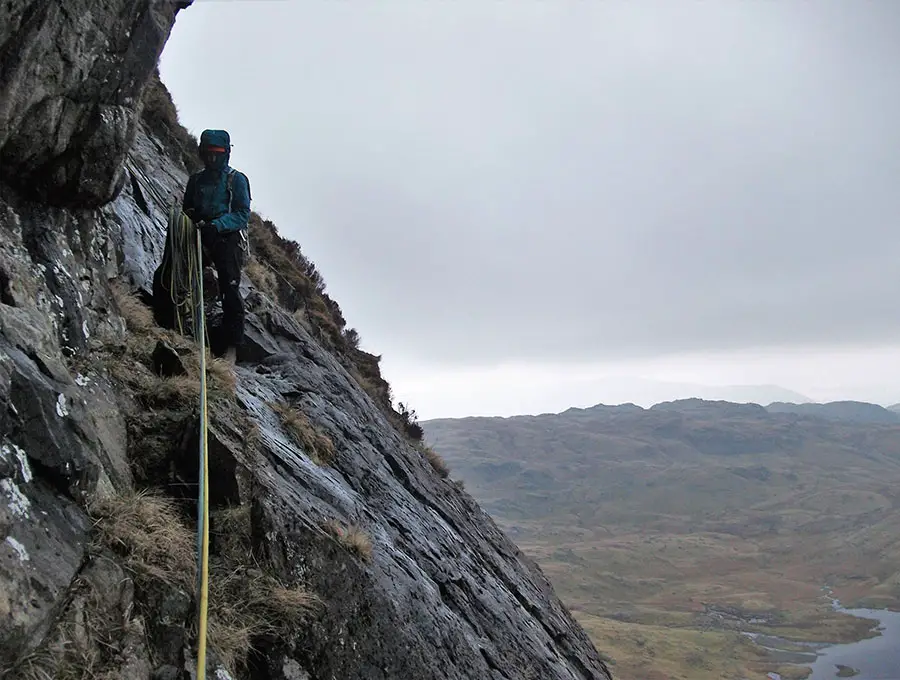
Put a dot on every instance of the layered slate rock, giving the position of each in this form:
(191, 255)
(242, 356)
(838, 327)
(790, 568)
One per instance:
(447, 595)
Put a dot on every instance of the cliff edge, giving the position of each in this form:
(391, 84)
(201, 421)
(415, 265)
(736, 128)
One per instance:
(340, 546)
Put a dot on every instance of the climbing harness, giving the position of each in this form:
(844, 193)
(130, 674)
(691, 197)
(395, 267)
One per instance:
(182, 277)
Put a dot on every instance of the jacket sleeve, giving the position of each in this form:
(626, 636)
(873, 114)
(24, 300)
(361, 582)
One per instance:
(240, 215)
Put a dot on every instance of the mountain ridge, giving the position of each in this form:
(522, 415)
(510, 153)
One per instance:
(846, 410)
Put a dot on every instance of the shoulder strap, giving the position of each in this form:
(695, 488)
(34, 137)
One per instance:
(229, 186)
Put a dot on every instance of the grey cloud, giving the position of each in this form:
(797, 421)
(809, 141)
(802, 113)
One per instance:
(577, 180)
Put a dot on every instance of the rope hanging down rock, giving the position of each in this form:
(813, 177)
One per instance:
(182, 277)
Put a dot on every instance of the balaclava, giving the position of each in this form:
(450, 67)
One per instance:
(215, 149)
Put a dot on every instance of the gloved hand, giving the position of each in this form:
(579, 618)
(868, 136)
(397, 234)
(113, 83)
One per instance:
(207, 230)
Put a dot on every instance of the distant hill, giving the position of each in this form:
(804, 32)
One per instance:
(662, 515)
(851, 411)
(646, 392)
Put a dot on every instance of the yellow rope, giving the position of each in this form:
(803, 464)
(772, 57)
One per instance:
(203, 502)
(182, 275)
(181, 267)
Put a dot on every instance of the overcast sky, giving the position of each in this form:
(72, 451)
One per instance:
(551, 199)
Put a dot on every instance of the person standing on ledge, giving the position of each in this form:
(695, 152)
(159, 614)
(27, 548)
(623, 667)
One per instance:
(217, 199)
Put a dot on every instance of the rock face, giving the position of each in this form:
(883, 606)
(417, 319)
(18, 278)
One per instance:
(71, 76)
(444, 593)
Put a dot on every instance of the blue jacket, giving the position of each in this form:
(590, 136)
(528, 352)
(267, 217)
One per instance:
(206, 195)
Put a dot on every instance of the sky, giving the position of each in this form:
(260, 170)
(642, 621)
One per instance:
(526, 206)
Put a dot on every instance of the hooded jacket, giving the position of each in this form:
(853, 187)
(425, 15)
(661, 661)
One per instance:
(206, 195)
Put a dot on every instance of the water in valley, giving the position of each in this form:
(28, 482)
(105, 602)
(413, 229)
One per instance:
(876, 658)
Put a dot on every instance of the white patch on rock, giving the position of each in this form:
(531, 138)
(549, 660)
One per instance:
(59, 301)
(19, 548)
(84, 329)
(82, 381)
(10, 450)
(61, 409)
(293, 671)
(18, 503)
(222, 674)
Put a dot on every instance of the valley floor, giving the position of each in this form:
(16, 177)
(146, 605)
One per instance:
(677, 607)
(671, 531)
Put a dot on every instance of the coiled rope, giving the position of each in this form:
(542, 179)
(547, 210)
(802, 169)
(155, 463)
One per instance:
(183, 272)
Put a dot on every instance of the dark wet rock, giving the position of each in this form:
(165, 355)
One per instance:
(43, 547)
(168, 627)
(50, 425)
(100, 608)
(258, 344)
(140, 214)
(71, 79)
(446, 595)
(166, 672)
(167, 361)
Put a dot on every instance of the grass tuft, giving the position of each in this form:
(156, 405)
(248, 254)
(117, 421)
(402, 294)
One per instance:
(232, 533)
(246, 604)
(317, 444)
(262, 277)
(138, 317)
(221, 375)
(439, 464)
(353, 537)
(147, 530)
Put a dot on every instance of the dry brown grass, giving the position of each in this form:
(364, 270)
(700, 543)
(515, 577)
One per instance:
(353, 537)
(152, 390)
(181, 389)
(245, 601)
(262, 277)
(301, 318)
(138, 317)
(147, 530)
(248, 603)
(221, 375)
(315, 442)
(232, 532)
(438, 463)
(368, 387)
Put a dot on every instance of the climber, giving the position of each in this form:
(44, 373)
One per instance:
(217, 199)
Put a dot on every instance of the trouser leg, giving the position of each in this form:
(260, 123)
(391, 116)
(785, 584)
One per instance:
(227, 258)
